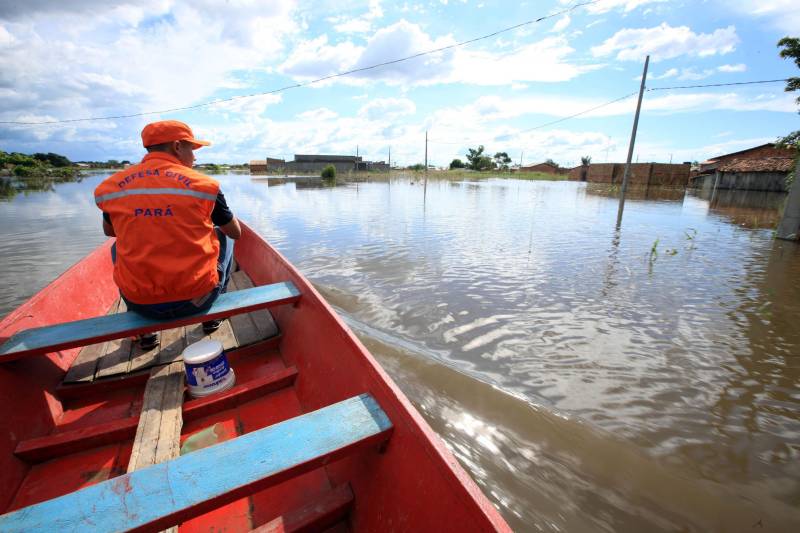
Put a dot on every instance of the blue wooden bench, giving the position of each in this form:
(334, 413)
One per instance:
(169, 493)
(116, 326)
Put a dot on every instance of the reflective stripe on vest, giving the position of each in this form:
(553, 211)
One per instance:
(134, 192)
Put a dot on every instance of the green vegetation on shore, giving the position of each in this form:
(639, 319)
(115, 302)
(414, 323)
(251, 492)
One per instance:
(36, 172)
(36, 165)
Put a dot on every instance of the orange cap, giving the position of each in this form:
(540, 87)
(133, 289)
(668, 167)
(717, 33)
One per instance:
(166, 131)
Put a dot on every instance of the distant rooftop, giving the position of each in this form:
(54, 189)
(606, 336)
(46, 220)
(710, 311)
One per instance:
(764, 164)
(314, 158)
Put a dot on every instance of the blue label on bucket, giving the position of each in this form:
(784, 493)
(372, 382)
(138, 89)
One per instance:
(208, 374)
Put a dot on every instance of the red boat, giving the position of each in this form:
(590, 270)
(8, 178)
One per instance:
(96, 434)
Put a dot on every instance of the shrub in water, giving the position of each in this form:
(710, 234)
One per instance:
(329, 173)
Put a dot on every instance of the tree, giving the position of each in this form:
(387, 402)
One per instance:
(501, 160)
(456, 163)
(585, 162)
(551, 162)
(791, 49)
(478, 161)
(474, 157)
(55, 160)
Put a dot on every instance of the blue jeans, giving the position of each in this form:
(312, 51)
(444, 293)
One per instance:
(189, 307)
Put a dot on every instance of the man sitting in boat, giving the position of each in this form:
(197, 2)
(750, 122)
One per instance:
(169, 259)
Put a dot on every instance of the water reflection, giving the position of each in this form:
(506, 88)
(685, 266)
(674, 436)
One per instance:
(12, 186)
(750, 209)
(590, 379)
(636, 193)
(300, 182)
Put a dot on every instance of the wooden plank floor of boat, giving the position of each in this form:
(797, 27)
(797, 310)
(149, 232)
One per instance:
(101, 428)
(125, 356)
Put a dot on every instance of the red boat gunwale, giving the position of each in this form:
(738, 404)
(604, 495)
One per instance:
(416, 483)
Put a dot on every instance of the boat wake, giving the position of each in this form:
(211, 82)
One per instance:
(547, 470)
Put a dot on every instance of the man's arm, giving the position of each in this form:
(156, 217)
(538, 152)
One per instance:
(108, 229)
(232, 229)
(224, 219)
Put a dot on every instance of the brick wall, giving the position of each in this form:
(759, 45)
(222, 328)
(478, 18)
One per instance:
(542, 167)
(643, 174)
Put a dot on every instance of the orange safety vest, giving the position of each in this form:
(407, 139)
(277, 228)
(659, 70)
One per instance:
(167, 248)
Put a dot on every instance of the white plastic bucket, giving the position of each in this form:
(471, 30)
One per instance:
(207, 369)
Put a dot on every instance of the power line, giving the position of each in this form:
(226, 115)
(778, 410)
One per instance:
(585, 111)
(578, 114)
(310, 82)
(620, 99)
(715, 85)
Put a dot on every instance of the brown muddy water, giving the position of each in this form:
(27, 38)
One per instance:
(588, 379)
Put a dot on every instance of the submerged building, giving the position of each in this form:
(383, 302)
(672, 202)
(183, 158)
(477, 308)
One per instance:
(314, 163)
(761, 168)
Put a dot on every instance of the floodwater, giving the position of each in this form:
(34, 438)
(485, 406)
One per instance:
(588, 379)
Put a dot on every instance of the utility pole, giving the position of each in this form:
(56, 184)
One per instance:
(356, 150)
(520, 159)
(789, 226)
(426, 152)
(630, 147)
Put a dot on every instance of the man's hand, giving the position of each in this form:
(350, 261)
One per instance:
(108, 229)
(232, 229)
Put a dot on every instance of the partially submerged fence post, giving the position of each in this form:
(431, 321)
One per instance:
(630, 146)
(789, 226)
(425, 186)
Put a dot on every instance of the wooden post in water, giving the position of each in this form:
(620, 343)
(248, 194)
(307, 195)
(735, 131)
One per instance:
(389, 172)
(789, 226)
(717, 178)
(630, 146)
(425, 187)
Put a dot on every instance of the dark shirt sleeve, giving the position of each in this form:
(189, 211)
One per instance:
(221, 214)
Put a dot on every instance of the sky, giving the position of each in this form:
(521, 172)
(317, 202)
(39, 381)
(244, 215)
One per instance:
(98, 58)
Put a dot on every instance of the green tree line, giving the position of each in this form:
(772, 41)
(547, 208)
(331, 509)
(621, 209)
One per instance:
(478, 160)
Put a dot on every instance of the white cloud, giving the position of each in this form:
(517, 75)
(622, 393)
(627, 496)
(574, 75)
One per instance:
(666, 42)
(5, 37)
(135, 56)
(741, 67)
(703, 102)
(360, 24)
(387, 108)
(693, 74)
(604, 6)
(562, 24)
(316, 58)
(490, 108)
(782, 14)
(545, 60)
(253, 106)
(317, 115)
(671, 73)
(542, 61)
